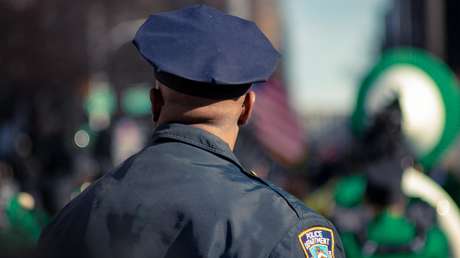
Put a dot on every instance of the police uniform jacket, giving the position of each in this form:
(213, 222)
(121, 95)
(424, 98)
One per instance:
(184, 196)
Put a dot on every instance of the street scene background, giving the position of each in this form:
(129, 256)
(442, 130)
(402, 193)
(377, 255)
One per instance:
(346, 123)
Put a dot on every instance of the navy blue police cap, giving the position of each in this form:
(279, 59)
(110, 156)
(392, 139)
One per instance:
(202, 51)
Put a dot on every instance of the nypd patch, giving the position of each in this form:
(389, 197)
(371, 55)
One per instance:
(317, 242)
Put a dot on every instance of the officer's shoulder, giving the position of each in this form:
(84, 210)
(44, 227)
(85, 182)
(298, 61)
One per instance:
(309, 229)
(295, 205)
(271, 198)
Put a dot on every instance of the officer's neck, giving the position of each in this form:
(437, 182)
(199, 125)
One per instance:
(228, 134)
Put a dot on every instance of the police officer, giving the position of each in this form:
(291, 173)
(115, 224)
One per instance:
(186, 194)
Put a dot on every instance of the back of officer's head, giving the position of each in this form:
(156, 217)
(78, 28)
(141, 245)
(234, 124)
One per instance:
(169, 105)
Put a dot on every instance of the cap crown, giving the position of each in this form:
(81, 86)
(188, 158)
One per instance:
(203, 44)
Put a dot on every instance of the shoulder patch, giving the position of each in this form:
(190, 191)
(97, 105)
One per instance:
(317, 242)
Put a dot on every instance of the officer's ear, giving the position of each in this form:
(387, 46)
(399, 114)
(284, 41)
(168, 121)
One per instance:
(248, 105)
(157, 101)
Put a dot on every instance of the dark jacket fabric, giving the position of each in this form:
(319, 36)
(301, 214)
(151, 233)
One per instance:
(186, 196)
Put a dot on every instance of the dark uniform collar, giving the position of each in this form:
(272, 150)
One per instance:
(199, 138)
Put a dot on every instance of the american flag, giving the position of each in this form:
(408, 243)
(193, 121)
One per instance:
(276, 126)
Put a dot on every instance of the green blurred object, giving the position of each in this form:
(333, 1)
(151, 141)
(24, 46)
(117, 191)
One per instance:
(436, 244)
(136, 100)
(349, 191)
(401, 62)
(391, 229)
(101, 100)
(25, 223)
(393, 235)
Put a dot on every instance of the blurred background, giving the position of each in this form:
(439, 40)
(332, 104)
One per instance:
(359, 121)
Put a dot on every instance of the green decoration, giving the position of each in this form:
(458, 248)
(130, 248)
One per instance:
(349, 191)
(136, 101)
(445, 82)
(101, 100)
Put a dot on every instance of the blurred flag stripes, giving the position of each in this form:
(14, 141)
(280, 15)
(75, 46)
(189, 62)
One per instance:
(276, 126)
